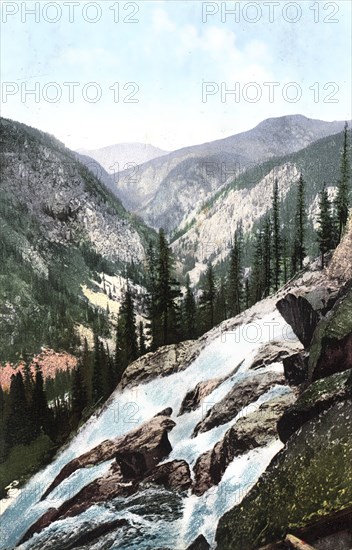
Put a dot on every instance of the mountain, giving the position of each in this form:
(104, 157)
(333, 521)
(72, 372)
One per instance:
(115, 158)
(207, 233)
(60, 228)
(233, 440)
(167, 190)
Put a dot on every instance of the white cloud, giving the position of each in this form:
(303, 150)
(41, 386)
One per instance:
(162, 22)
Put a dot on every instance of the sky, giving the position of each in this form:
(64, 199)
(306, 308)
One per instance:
(172, 73)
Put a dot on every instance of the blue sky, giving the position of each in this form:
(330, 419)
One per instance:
(173, 62)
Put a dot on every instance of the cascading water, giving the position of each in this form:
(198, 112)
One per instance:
(157, 517)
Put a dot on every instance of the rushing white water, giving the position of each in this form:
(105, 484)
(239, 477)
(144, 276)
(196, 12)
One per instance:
(191, 515)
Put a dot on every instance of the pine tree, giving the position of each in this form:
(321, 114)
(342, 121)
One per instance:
(256, 280)
(167, 293)
(189, 313)
(266, 255)
(151, 300)
(276, 235)
(97, 377)
(119, 361)
(79, 393)
(343, 187)
(299, 251)
(142, 345)
(127, 321)
(39, 407)
(207, 299)
(235, 277)
(220, 309)
(325, 230)
(18, 425)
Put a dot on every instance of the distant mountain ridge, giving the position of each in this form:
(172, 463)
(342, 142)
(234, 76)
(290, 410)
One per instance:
(115, 158)
(166, 190)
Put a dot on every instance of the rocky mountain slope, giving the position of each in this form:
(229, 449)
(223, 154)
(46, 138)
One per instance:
(191, 428)
(55, 217)
(207, 234)
(165, 191)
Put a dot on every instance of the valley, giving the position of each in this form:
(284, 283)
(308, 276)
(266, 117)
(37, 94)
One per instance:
(176, 350)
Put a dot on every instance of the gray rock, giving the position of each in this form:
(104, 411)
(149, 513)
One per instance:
(239, 396)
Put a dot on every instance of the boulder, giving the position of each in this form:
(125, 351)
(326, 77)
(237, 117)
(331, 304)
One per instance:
(331, 349)
(174, 475)
(296, 368)
(304, 311)
(241, 395)
(273, 352)
(309, 479)
(255, 430)
(200, 543)
(164, 361)
(194, 397)
(136, 452)
(317, 398)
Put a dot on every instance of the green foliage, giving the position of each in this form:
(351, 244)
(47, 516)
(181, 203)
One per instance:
(207, 300)
(189, 313)
(325, 232)
(299, 250)
(344, 184)
(24, 461)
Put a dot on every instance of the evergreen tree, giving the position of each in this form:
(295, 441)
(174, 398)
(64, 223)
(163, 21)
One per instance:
(152, 306)
(97, 378)
(39, 407)
(18, 425)
(119, 361)
(142, 345)
(167, 293)
(276, 235)
(189, 313)
(325, 230)
(266, 256)
(127, 322)
(299, 252)
(207, 299)
(79, 393)
(220, 310)
(28, 380)
(343, 187)
(256, 280)
(235, 276)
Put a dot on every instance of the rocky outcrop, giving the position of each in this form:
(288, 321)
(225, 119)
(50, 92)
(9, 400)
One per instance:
(162, 362)
(255, 430)
(311, 477)
(304, 311)
(296, 368)
(194, 397)
(137, 455)
(273, 352)
(239, 396)
(136, 452)
(317, 398)
(200, 543)
(174, 475)
(331, 349)
(340, 267)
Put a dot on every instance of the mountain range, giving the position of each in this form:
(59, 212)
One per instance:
(165, 191)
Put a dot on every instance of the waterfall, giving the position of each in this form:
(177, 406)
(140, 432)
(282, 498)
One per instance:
(179, 519)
